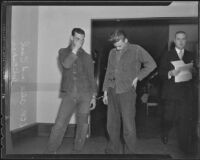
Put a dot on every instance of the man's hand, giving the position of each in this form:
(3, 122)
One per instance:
(135, 82)
(105, 98)
(174, 72)
(76, 47)
(93, 103)
(145, 97)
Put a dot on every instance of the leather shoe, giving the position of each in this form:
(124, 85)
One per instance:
(164, 139)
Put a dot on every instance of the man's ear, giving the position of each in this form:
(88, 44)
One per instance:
(126, 40)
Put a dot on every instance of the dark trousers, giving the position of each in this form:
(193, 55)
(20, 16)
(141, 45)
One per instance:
(121, 106)
(180, 113)
(76, 101)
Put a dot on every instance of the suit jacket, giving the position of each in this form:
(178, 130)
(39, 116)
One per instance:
(120, 74)
(170, 89)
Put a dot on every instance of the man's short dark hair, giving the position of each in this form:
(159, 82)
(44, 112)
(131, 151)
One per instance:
(180, 32)
(117, 35)
(78, 30)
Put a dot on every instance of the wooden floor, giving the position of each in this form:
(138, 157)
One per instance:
(96, 145)
(148, 143)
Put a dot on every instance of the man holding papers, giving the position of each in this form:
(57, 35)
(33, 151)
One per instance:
(176, 71)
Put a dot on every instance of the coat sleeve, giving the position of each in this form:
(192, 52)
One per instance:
(195, 65)
(90, 70)
(66, 60)
(109, 72)
(147, 61)
(164, 66)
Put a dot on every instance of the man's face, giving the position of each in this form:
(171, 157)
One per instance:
(78, 39)
(120, 44)
(180, 40)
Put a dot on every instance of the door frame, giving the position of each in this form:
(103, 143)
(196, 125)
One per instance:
(163, 20)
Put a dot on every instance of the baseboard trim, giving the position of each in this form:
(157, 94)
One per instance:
(24, 128)
(44, 129)
(39, 129)
(21, 133)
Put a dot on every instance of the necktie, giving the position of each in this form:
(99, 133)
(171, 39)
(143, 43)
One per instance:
(181, 54)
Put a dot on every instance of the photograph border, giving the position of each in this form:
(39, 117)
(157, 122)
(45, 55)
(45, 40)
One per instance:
(6, 73)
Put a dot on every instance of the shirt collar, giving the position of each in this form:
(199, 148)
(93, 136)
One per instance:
(125, 48)
(178, 50)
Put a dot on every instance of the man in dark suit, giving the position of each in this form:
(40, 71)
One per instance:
(176, 96)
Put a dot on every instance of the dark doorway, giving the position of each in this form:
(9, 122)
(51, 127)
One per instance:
(151, 35)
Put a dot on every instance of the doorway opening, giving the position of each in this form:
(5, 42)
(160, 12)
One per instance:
(156, 36)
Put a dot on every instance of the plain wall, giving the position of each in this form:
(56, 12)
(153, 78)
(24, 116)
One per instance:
(190, 29)
(55, 25)
(23, 97)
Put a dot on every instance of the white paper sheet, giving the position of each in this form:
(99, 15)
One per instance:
(185, 71)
